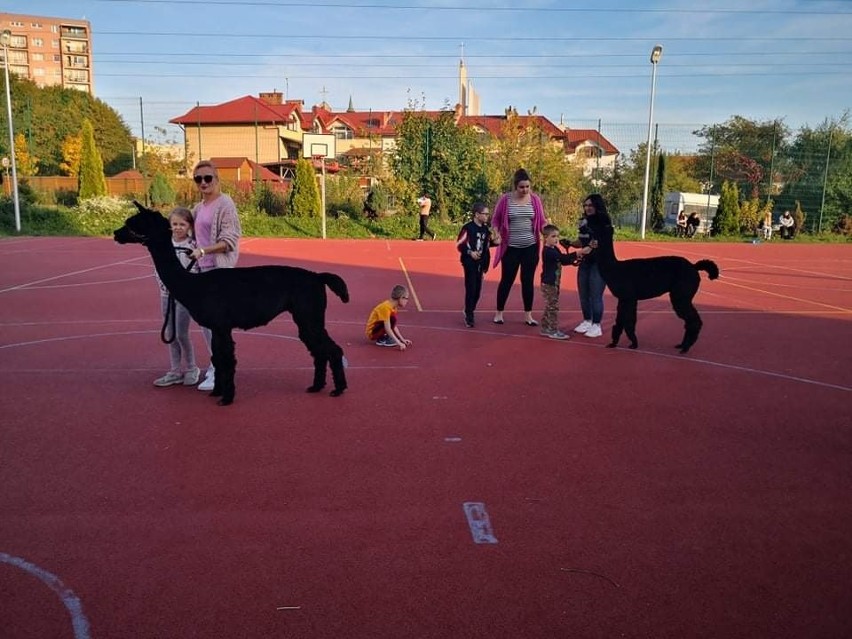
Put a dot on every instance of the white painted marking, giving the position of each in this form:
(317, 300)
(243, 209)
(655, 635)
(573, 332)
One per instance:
(479, 523)
(69, 599)
(452, 440)
(58, 277)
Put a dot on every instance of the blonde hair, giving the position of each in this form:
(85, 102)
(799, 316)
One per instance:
(186, 215)
(208, 164)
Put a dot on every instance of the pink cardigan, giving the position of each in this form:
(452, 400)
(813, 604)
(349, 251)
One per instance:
(500, 220)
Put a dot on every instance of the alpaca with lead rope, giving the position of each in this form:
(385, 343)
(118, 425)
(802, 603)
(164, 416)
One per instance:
(225, 299)
(646, 278)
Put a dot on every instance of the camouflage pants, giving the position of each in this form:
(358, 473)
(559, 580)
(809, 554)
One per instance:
(550, 319)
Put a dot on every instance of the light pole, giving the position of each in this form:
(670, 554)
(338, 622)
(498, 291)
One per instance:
(6, 40)
(656, 54)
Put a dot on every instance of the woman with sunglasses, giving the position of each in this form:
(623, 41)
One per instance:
(217, 234)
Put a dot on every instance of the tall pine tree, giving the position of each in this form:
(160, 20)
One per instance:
(91, 181)
(304, 195)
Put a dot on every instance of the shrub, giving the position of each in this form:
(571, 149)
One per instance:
(161, 192)
(268, 200)
(101, 215)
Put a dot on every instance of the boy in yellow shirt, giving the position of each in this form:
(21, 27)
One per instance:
(382, 327)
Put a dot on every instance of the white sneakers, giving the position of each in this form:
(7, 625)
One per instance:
(588, 329)
(594, 331)
(209, 381)
(583, 326)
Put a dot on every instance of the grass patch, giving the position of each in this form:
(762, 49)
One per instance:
(100, 217)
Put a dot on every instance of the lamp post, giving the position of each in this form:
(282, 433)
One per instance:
(656, 54)
(6, 40)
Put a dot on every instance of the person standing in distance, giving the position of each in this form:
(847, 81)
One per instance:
(425, 204)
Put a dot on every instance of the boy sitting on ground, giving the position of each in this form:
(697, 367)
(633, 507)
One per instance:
(382, 324)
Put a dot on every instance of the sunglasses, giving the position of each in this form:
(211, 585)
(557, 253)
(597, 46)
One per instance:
(206, 178)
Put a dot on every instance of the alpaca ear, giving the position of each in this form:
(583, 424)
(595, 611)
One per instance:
(139, 206)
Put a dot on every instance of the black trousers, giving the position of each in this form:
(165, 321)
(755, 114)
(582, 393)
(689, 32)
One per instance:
(424, 226)
(526, 259)
(472, 286)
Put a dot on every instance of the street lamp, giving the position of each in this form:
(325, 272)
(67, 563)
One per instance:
(6, 40)
(656, 54)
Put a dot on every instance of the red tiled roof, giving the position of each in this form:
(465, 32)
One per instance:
(236, 162)
(574, 137)
(129, 174)
(245, 110)
(493, 124)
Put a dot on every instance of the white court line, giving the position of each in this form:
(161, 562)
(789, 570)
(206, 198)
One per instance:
(58, 277)
(96, 283)
(78, 620)
(580, 341)
(573, 342)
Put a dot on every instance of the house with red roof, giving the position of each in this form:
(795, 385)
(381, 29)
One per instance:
(269, 130)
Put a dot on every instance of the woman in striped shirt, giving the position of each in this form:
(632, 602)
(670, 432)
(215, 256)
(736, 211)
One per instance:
(519, 218)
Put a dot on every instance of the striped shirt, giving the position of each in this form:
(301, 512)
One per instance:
(521, 224)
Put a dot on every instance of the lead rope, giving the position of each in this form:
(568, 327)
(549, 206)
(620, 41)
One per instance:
(171, 305)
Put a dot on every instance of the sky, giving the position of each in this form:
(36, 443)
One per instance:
(579, 63)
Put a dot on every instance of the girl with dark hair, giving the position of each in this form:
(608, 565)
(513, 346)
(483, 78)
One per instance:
(519, 219)
(590, 284)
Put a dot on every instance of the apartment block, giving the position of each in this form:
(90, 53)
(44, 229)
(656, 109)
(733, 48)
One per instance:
(51, 51)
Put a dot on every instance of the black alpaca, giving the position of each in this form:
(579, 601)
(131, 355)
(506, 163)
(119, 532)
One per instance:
(644, 279)
(229, 298)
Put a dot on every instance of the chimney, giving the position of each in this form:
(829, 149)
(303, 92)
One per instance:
(272, 97)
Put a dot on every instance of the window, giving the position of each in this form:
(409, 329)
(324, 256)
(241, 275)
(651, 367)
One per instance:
(54, 28)
(38, 71)
(57, 57)
(37, 25)
(38, 42)
(54, 44)
(38, 57)
(342, 132)
(15, 23)
(19, 42)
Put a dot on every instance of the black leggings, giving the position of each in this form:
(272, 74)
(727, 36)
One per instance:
(525, 259)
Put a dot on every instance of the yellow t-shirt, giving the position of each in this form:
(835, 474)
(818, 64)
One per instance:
(378, 316)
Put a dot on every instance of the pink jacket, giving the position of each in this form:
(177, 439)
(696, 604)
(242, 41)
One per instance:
(500, 220)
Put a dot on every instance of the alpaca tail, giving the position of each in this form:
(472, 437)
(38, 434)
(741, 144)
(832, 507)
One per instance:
(336, 284)
(709, 266)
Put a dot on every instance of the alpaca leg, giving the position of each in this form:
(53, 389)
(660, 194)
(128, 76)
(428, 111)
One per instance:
(622, 323)
(691, 323)
(629, 320)
(320, 365)
(326, 353)
(225, 361)
(337, 367)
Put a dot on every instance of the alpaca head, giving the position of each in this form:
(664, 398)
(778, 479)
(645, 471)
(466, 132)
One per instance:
(601, 227)
(143, 227)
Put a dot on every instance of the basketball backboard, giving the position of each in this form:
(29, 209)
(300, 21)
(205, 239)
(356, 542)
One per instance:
(319, 145)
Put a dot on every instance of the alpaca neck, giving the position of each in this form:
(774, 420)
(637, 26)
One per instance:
(169, 268)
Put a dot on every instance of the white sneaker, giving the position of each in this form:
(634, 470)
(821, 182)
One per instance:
(594, 331)
(208, 383)
(583, 326)
(169, 379)
(190, 377)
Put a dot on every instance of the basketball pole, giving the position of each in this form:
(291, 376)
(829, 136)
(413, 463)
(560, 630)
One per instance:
(322, 192)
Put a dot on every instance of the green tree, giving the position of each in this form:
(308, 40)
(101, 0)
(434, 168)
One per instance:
(49, 115)
(743, 151)
(816, 157)
(727, 220)
(434, 155)
(658, 194)
(91, 182)
(622, 187)
(682, 175)
(161, 192)
(304, 194)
